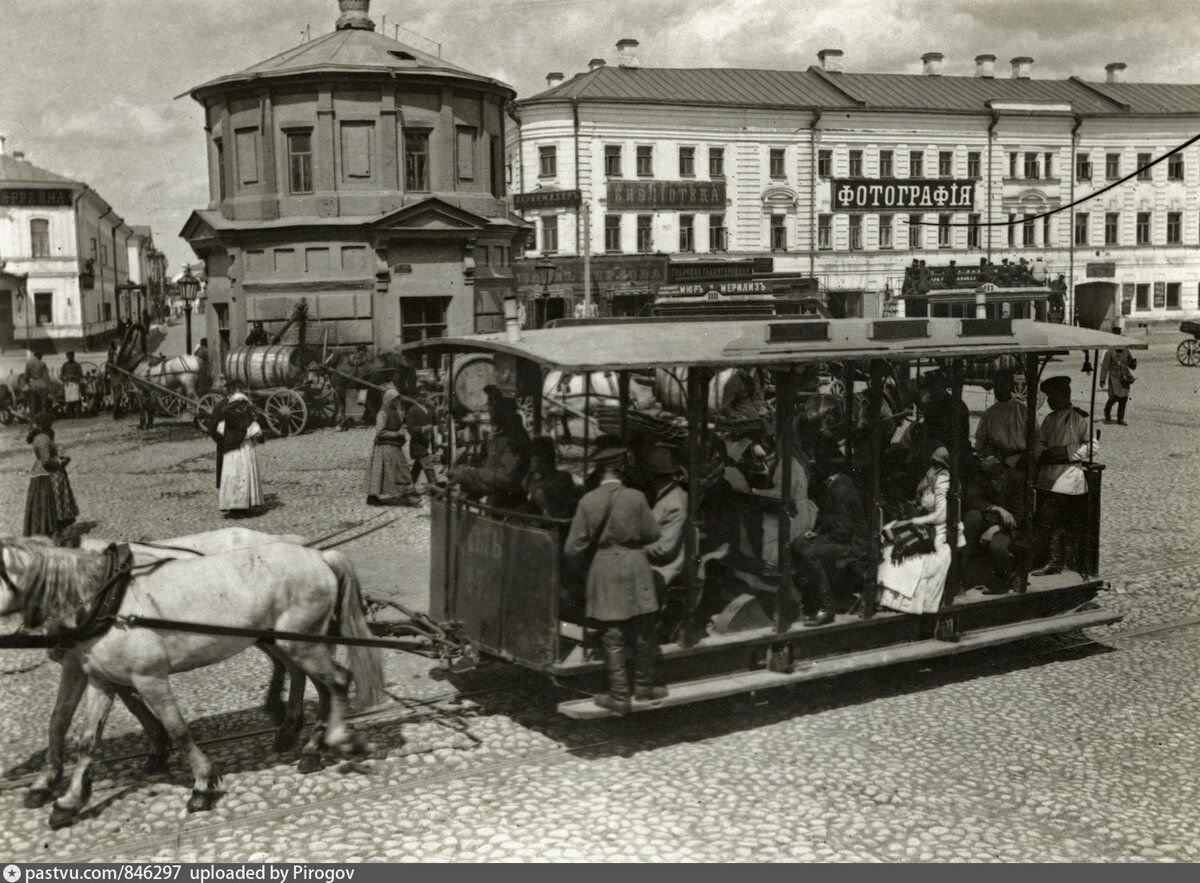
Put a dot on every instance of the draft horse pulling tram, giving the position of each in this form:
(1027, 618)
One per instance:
(502, 573)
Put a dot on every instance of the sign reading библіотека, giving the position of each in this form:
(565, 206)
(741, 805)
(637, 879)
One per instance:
(893, 194)
(665, 195)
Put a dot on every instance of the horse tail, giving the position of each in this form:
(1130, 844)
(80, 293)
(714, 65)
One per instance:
(366, 663)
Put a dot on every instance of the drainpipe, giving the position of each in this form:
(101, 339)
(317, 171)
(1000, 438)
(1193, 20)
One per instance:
(991, 134)
(812, 195)
(1070, 298)
(582, 230)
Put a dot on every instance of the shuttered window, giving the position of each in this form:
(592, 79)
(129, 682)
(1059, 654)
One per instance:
(465, 152)
(247, 155)
(356, 149)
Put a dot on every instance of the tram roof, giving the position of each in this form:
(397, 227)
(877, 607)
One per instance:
(608, 345)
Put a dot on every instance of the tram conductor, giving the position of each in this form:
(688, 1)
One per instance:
(614, 524)
(1062, 448)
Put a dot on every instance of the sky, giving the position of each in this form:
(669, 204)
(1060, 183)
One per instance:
(88, 87)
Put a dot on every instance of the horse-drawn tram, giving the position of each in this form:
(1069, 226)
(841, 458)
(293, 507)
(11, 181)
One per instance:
(817, 533)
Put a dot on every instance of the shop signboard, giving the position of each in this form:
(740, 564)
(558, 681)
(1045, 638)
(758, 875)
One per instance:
(35, 196)
(634, 271)
(903, 194)
(714, 270)
(1160, 295)
(665, 195)
(1102, 270)
(726, 287)
(539, 199)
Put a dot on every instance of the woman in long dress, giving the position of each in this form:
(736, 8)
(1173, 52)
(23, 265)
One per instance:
(50, 504)
(237, 432)
(389, 477)
(913, 574)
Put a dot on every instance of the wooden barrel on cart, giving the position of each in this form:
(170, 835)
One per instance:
(265, 367)
(471, 373)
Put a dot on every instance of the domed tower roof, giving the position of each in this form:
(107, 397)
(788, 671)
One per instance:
(353, 48)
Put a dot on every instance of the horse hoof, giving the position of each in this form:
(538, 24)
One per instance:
(309, 763)
(36, 798)
(156, 764)
(62, 818)
(202, 801)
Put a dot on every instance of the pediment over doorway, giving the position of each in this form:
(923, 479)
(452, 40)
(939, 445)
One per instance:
(431, 215)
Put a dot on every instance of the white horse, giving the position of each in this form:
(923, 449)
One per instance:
(278, 586)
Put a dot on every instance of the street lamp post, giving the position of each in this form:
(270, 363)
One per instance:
(546, 272)
(189, 287)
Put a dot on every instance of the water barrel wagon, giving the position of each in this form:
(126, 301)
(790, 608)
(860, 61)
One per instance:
(283, 385)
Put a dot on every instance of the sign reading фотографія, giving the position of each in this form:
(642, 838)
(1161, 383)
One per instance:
(894, 194)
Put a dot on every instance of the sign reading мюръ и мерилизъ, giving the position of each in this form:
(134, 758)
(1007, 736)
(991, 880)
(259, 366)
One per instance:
(894, 194)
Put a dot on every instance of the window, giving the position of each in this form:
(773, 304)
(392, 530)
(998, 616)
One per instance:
(1111, 220)
(1047, 231)
(779, 233)
(1173, 295)
(1028, 232)
(645, 233)
(548, 161)
(416, 159)
(824, 231)
(104, 254)
(856, 165)
(1031, 167)
(1143, 296)
(687, 233)
(221, 187)
(824, 163)
(1048, 164)
(43, 307)
(107, 311)
(1174, 228)
(1012, 230)
(496, 165)
(356, 149)
(612, 160)
(1081, 228)
(1012, 165)
(945, 164)
(687, 162)
(973, 231)
(299, 146)
(1143, 228)
(422, 318)
(914, 231)
(716, 233)
(1112, 166)
(916, 164)
(887, 166)
(464, 152)
(716, 162)
(943, 231)
(856, 240)
(246, 141)
(1083, 167)
(550, 234)
(94, 248)
(645, 161)
(973, 164)
(885, 231)
(1143, 161)
(777, 163)
(612, 233)
(39, 238)
(1175, 167)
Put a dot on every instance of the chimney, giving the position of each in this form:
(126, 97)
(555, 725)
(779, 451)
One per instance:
(985, 65)
(1, 145)
(18, 154)
(932, 62)
(626, 53)
(595, 64)
(1114, 72)
(554, 78)
(831, 60)
(354, 16)
(1022, 65)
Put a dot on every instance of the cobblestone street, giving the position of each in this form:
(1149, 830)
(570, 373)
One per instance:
(1057, 749)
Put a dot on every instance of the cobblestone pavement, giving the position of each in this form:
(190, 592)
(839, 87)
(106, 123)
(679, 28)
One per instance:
(1052, 750)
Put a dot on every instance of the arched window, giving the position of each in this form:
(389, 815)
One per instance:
(39, 237)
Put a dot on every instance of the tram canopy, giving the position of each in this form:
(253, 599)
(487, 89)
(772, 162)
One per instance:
(641, 344)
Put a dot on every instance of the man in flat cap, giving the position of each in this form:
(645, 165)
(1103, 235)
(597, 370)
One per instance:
(614, 524)
(670, 511)
(1062, 448)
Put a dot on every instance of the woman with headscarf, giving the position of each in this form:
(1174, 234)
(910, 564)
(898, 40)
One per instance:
(50, 504)
(389, 477)
(916, 559)
(236, 431)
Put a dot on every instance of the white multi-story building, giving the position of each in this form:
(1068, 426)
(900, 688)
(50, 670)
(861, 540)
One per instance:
(724, 166)
(64, 259)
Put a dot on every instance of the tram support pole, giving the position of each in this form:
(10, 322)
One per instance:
(785, 428)
(954, 497)
(697, 389)
(587, 424)
(623, 399)
(874, 489)
(1033, 376)
(537, 402)
(848, 378)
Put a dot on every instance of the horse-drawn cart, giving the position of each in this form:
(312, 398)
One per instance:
(1188, 351)
(287, 384)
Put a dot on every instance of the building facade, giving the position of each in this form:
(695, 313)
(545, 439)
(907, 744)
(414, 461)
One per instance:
(64, 259)
(363, 178)
(849, 178)
(147, 274)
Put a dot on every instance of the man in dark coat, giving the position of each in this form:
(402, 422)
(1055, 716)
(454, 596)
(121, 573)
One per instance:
(507, 458)
(258, 336)
(615, 522)
(552, 491)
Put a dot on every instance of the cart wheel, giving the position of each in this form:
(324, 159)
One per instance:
(1188, 353)
(286, 412)
(169, 405)
(322, 400)
(208, 404)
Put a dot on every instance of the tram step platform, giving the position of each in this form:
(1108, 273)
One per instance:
(686, 692)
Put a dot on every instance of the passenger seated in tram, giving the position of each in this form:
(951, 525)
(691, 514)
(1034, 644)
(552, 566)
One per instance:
(506, 460)
(993, 510)
(669, 505)
(552, 491)
(916, 554)
(613, 525)
(759, 507)
(742, 398)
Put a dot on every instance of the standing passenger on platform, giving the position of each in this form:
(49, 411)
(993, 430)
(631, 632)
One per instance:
(1062, 449)
(670, 510)
(1000, 436)
(1117, 370)
(614, 524)
(236, 431)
